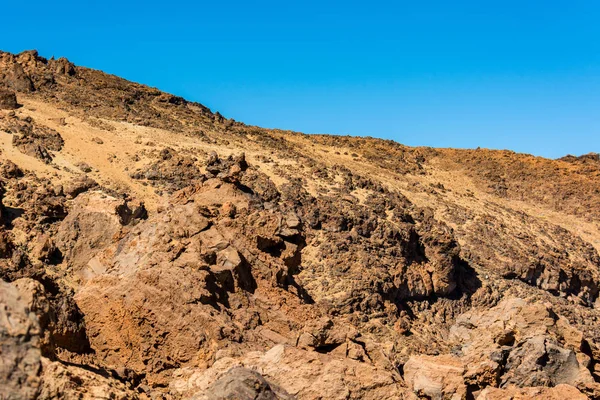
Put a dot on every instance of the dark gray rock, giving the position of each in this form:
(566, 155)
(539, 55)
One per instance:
(539, 361)
(243, 384)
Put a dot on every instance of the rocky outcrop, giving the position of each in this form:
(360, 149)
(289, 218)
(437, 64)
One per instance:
(8, 100)
(94, 222)
(559, 392)
(63, 381)
(302, 374)
(102, 95)
(198, 236)
(28, 217)
(14, 75)
(29, 72)
(60, 321)
(233, 235)
(410, 255)
(590, 159)
(31, 138)
(559, 262)
(25, 315)
(170, 172)
(514, 344)
(20, 359)
(242, 383)
(297, 266)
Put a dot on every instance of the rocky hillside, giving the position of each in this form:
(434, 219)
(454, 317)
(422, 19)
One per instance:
(153, 249)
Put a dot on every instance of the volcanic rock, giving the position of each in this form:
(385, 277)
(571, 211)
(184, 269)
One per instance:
(20, 362)
(33, 139)
(211, 259)
(8, 100)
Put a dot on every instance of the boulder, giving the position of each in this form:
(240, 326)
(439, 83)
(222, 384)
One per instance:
(8, 100)
(243, 384)
(78, 185)
(436, 378)
(17, 79)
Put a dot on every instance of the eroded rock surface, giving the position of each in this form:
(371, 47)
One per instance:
(20, 362)
(31, 138)
(8, 100)
(515, 344)
(303, 374)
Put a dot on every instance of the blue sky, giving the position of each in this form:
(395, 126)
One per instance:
(521, 75)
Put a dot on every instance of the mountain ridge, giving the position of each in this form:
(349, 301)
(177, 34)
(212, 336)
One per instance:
(159, 250)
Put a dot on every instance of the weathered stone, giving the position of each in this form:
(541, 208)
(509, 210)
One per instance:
(79, 185)
(331, 266)
(436, 378)
(243, 384)
(8, 100)
(20, 359)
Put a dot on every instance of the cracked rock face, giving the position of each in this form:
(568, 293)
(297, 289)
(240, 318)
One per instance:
(20, 362)
(153, 249)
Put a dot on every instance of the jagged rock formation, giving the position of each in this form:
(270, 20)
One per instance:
(153, 249)
(32, 139)
(514, 344)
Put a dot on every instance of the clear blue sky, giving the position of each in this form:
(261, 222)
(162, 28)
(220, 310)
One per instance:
(522, 75)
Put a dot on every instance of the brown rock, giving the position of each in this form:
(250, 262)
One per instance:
(44, 249)
(93, 223)
(33, 139)
(302, 374)
(560, 392)
(243, 384)
(331, 267)
(60, 321)
(84, 167)
(18, 79)
(79, 185)
(10, 170)
(63, 381)
(436, 377)
(8, 100)
(20, 360)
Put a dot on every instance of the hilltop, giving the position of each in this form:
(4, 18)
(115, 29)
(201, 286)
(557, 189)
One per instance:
(150, 248)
